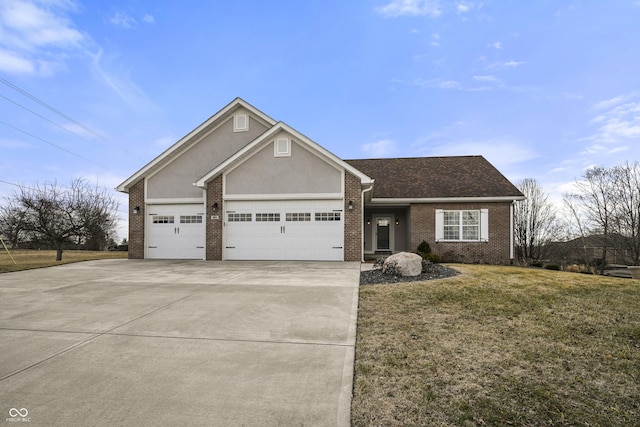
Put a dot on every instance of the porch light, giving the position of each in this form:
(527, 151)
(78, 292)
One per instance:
(397, 221)
(368, 221)
(136, 210)
(214, 207)
(350, 205)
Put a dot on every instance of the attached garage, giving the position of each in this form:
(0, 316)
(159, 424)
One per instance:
(284, 230)
(176, 231)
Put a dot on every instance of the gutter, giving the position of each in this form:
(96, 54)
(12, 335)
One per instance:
(362, 219)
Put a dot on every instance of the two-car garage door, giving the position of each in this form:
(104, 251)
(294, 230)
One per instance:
(284, 230)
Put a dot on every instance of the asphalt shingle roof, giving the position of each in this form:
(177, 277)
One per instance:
(435, 177)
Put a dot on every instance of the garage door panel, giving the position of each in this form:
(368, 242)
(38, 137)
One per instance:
(286, 230)
(176, 232)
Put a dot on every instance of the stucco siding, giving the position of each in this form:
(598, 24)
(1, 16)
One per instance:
(176, 179)
(302, 172)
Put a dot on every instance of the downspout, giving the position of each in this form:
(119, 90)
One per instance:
(511, 236)
(362, 221)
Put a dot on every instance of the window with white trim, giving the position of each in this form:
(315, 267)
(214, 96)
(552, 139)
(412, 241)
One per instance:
(298, 216)
(163, 219)
(240, 123)
(462, 225)
(190, 219)
(238, 217)
(267, 217)
(327, 216)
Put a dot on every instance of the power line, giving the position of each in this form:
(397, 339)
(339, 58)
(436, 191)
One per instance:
(49, 107)
(52, 144)
(36, 114)
(56, 111)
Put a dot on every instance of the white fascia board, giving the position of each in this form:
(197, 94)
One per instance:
(233, 105)
(408, 201)
(281, 126)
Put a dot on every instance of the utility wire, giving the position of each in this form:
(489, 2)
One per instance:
(36, 114)
(49, 107)
(51, 143)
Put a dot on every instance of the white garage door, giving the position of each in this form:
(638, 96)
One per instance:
(175, 231)
(284, 230)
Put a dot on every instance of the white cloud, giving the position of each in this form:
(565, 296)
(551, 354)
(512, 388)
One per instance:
(382, 148)
(508, 64)
(464, 7)
(121, 83)
(616, 131)
(121, 19)
(35, 37)
(486, 78)
(496, 45)
(410, 7)
(149, 19)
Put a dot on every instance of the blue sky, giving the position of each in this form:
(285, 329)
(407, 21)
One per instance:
(542, 89)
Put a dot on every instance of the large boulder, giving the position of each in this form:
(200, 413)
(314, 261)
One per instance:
(403, 264)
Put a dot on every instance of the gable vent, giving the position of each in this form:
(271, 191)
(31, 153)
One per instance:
(240, 123)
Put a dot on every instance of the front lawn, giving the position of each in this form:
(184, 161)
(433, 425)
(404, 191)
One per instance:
(28, 259)
(499, 346)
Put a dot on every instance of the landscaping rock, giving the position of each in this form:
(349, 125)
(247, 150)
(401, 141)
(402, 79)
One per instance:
(404, 264)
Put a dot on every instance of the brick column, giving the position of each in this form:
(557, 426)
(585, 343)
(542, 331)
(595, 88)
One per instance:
(136, 221)
(352, 218)
(214, 226)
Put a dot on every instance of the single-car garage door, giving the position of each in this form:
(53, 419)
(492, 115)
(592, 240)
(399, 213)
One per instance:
(175, 231)
(284, 230)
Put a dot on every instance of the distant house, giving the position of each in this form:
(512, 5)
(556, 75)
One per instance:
(242, 186)
(590, 250)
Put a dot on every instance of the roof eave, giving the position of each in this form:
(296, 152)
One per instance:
(412, 200)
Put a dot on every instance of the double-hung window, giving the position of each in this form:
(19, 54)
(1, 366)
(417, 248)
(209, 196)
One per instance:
(462, 225)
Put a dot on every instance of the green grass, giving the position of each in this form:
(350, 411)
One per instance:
(499, 346)
(28, 259)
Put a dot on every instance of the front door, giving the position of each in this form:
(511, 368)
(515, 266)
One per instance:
(383, 233)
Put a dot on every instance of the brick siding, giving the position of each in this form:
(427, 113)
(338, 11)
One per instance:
(495, 251)
(214, 226)
(352, 218)
(136, 221)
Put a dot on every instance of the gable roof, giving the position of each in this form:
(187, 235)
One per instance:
(256, 144)
(195, 135)
(437, 178)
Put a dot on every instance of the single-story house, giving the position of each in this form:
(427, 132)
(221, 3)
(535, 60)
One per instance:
(242, 186)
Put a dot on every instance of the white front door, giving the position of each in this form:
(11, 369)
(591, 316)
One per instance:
(284, 230)
(175, 231)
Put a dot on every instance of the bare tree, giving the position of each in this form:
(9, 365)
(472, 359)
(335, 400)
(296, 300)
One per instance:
(595, 197)
(535, 222)
(627, 205)
(12, 223)
(61, 215)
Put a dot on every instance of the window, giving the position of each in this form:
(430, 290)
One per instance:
(190, 219)
(163, 219)
(240, 123)
(328, 216)
(267, 217)
(297, 216)
(462, 225)
(282, 147)
(238, 217)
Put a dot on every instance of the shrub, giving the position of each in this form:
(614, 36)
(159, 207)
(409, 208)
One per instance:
(536, 264)
(424, 250)
(434, 258)
(555, 267)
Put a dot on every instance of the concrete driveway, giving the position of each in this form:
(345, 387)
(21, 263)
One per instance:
(122, 342)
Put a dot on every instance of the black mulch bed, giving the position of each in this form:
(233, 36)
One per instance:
(377, 277)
